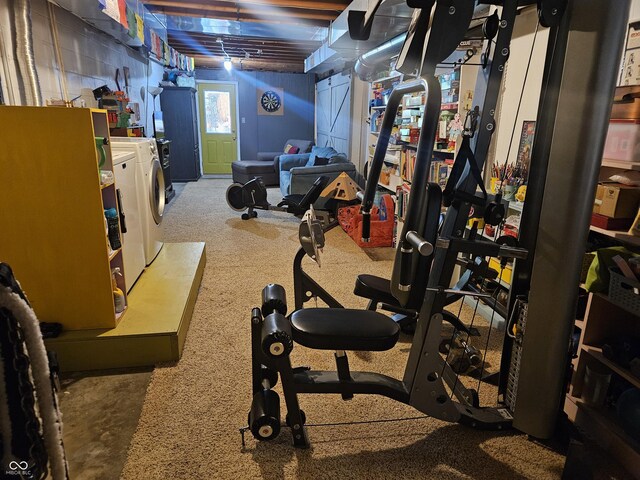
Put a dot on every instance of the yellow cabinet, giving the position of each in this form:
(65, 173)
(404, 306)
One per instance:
(52, 206)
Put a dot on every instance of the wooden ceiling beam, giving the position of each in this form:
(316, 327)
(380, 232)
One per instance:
(251, 64)
(229, 47)
(297, 4)
(190, 52)
(262, 41)
(283, 56)
(278, 20)
(216, 11)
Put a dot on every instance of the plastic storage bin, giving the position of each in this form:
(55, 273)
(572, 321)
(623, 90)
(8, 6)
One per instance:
(624, 292)
(623, 141)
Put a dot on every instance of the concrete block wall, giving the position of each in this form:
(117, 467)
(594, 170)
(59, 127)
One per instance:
(90, 60)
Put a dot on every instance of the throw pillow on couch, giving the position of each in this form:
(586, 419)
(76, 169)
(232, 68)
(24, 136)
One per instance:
(291, 149)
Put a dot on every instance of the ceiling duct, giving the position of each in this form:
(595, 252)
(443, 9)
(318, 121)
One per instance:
(30, 84)
(369, 63)
(388, 32)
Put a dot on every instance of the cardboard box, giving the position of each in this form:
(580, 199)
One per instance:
(597, 202)
(618, 201)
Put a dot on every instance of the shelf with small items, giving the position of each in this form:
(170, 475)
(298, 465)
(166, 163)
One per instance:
(604, 425)
(391, 77)
(605, 322)
(621, 164)
(596, 352)
(620, 235)
(114, 253)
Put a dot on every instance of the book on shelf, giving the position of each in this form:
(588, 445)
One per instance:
(402, 199)
(440, 171)
(407, 164)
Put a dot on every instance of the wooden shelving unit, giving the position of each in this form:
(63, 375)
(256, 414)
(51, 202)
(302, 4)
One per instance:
(55, 238)
(604, 320)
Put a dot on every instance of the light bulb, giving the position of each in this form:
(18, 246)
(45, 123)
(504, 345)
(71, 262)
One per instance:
(227, 64)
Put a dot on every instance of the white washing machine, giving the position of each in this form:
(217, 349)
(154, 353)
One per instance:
(149, 188)
(124, 170)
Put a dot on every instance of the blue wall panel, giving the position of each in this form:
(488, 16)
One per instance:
(264, 133)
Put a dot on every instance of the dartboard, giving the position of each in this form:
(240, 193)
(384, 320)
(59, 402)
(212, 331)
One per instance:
(270, 101)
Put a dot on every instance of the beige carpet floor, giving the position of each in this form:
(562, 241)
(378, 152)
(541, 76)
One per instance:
(193, 409)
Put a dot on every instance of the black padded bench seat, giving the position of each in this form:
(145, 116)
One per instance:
(343, 329)
(374, 288)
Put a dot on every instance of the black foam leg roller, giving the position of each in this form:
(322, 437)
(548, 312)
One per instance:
(274, 299)
(276, 336)
(264, 416)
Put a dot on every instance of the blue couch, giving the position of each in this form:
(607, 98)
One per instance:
(298, 172)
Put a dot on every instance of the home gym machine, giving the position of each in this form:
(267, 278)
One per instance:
(252, 196)
(584, 48)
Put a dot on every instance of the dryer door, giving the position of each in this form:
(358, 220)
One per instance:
(156, 191)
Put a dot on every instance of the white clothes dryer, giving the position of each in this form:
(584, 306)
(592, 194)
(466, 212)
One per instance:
(124, 170)
(150, 190)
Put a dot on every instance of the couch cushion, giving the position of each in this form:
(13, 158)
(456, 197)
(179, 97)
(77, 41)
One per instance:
(324, 152)
(338, 158)
(291, 149)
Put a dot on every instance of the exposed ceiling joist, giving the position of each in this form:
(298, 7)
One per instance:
(199, 45)
(273, 57)
(336, 6)
(241, 47)
(260, 11)
(268, 19)
(274, 15)
(260, 41)
(251, 64)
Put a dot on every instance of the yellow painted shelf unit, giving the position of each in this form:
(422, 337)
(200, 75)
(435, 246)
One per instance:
(155, 327)
(53, 219)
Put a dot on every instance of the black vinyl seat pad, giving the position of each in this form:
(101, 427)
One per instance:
(375, 288)
(343, 329)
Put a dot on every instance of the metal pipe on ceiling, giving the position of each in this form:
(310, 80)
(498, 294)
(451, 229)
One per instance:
(30, 83)
(368, 63)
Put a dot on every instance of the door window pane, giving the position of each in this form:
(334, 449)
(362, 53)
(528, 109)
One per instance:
(217, 111)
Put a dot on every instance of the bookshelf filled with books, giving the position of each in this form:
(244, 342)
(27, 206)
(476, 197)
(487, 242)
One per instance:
(400, 159)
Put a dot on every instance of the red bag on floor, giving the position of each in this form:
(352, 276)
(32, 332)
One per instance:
(382, 223)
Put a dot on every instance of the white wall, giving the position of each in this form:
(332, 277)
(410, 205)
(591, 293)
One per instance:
(514, 79)
(512, 85)
(634, 11)
(359, 154)
(90, 59)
